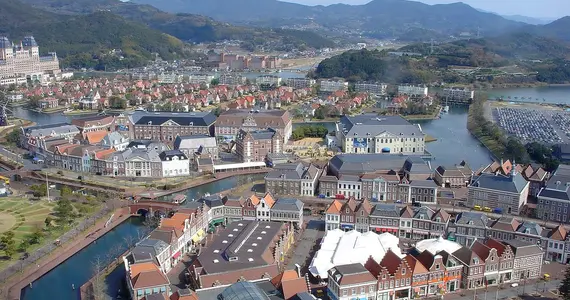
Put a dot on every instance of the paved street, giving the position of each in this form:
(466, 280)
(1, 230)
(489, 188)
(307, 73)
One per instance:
(307, 245)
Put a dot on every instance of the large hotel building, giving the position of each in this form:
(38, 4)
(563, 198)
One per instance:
(22, 62)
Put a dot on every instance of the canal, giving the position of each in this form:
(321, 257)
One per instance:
(79, 268)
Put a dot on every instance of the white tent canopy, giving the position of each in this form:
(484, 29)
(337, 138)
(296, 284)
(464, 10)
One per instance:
(437, 245)
(341, 248)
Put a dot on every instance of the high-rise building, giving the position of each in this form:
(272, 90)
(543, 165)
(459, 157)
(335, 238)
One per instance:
(20, 62)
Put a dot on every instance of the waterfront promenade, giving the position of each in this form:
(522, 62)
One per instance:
(31, 274)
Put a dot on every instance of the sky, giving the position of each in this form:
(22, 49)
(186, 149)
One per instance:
(529, 8)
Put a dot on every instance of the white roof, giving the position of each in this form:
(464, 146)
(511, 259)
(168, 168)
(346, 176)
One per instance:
(436, 245)
(341, 248)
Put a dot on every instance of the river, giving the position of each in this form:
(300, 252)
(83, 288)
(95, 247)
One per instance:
(544, 94)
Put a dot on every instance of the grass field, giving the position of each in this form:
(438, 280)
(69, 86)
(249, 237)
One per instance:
(22, 216)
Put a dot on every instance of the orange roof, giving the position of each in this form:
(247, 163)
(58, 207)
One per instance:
(184, 294)
(104, 153)
(335, 207)
(95, 137)
(254, 199)
(147, 275)
(63, 148)
(290, 283)
(169, 222)
(269, 199)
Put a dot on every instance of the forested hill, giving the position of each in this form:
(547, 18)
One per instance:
(100, 39)
(189, 27)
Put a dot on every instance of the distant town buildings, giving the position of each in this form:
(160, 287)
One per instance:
(372, 88)
(230, 122)
(243, 62)
(293, 179)
(200, 78)
(20, 63)
(455, 94)
(330, 86)
(300, 83)
(370, 133)
(269, 80)
(413, 90)
(231, 79)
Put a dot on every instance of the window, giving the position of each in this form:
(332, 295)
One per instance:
(403, 271)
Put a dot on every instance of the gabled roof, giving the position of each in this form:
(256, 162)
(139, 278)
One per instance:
(351, 203)
(558, 233)
(415, 265)
(145, 275)
(289, 283)
(391, 262)
(467, 257)
(95, 137)
(269, 200)
(506, 224)
(495, 244)
(364, 206)
(334, 207)
(481, 249)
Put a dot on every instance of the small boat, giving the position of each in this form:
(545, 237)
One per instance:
(446, 108)
(179, 198)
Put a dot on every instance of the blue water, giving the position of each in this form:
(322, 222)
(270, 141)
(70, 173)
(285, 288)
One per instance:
(221, 185)
(78, 269)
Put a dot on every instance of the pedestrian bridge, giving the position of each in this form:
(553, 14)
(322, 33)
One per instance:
(152, 207)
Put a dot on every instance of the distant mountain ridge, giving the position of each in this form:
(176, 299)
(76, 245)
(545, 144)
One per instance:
(381, 18)
(185, 26)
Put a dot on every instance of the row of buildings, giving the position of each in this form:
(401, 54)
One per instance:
(108, 145)
(252, 244)
(434, 267)
(413, 224)
(22, 63)
(503, 186)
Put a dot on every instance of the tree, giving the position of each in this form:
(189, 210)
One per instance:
(214, 82)
(64, 211)
(320, 112)
(39, 190)
(66, 191)
(8, 244)
(117, 102)
(565, 286)
(48, 221)
(13, 137)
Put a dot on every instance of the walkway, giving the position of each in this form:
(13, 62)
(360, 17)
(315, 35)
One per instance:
(31, 274)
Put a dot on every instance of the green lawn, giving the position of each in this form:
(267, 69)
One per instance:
(28, 214)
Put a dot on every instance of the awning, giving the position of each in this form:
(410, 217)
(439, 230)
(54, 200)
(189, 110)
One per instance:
(217, 221)
(176, 254)
(346, 226)
(198, 236)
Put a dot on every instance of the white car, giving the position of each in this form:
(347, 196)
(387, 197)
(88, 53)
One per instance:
(514, 284)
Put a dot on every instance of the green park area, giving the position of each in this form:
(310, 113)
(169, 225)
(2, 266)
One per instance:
(27, 224)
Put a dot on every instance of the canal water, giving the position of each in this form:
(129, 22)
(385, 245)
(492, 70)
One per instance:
(454, 142)
(544, 94)
(78, 269)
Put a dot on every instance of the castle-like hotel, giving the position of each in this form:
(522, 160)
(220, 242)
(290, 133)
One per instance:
(22, 62)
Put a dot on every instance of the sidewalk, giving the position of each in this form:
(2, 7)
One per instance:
(31, 274)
